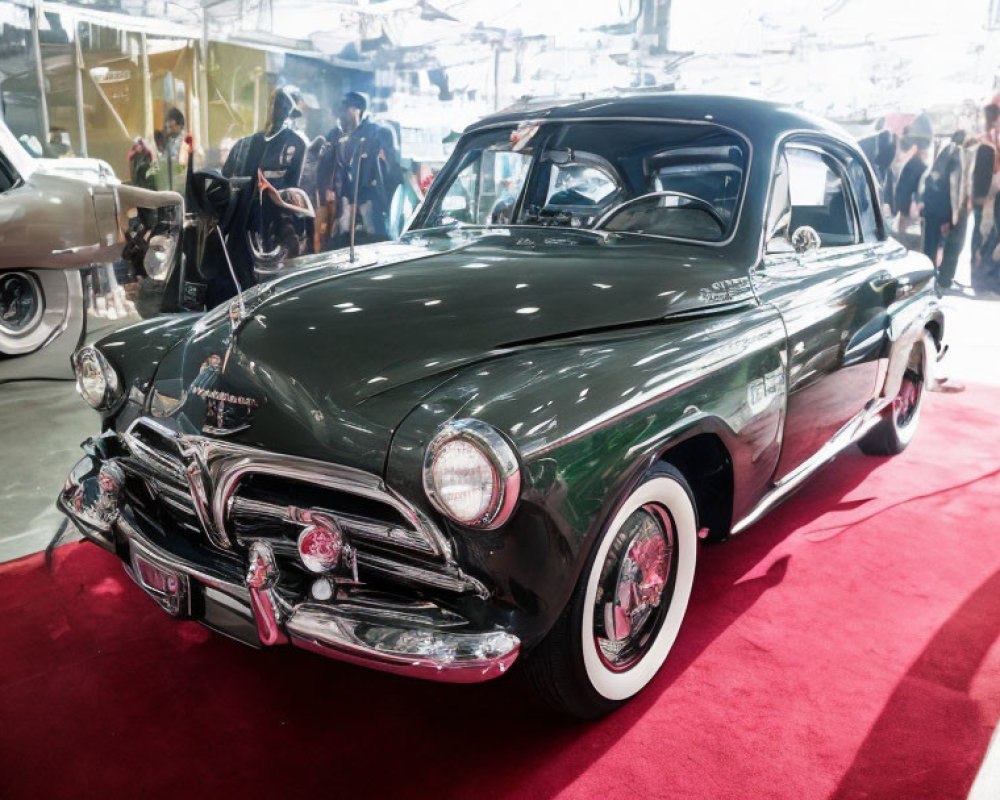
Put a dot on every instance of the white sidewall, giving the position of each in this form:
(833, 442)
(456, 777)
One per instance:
(621, 685)
(905, 435)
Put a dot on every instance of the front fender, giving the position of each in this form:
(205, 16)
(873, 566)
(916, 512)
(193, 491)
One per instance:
(588, 418)
(136, 352)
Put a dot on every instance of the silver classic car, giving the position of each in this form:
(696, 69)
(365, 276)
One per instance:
(56, 219)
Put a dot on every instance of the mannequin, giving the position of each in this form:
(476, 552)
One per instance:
(278, 152)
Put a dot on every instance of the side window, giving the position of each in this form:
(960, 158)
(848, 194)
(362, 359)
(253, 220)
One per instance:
(485, 190)
(459, 203)
(867, 200)
(819, 197)
(8, 175)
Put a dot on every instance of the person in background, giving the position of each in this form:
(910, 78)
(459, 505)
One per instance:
(985, 167)
(367, 169)
(326, 199)
(907, 187)
(140, 161)
(944, 208)
(59, 144)
(880, 148)
(173, 157)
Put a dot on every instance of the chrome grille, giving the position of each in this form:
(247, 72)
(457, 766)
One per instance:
(155, 477)
(248, 494)
(250, 517)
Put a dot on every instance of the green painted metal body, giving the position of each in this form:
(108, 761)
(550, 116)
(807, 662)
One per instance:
(593, 354)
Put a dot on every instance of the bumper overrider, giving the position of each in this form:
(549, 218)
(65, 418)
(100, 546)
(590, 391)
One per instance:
(239, 593)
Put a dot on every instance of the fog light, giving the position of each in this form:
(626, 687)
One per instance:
(322, 589)
(320, 544)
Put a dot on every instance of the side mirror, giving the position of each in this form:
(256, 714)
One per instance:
(805, 240)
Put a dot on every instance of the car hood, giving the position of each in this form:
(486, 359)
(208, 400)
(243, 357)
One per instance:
(342, 352)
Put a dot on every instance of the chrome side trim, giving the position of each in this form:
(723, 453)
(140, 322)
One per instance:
(863, 422)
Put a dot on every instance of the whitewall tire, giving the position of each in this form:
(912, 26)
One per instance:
(627, 609)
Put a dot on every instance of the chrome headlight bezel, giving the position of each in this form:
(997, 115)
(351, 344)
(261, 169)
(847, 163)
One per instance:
(90, 362)
(502, 458)
(159, 257)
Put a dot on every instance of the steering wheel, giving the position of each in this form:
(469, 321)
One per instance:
(694, 202)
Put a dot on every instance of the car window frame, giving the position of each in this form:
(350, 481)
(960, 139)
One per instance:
(845, 182)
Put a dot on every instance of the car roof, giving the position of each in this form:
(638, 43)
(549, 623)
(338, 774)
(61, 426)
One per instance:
(756, 119)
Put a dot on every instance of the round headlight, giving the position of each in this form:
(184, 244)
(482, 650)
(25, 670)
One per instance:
(159, 256)
(96, 381)
(471, 474)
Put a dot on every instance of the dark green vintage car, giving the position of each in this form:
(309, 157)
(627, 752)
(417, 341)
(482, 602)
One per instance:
(613, 328)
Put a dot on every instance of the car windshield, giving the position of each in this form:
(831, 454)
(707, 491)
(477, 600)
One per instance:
(673, 179)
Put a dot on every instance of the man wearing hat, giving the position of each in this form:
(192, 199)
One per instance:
(366, 176)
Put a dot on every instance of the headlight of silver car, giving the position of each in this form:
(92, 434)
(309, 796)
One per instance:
(471, 474)
(160, 255)
(96, 380)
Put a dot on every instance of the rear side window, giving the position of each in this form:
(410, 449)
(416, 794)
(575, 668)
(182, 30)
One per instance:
(819, 197)
(8, 175)
(867, 200)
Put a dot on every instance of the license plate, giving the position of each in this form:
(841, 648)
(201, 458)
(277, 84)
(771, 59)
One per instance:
(168, 588)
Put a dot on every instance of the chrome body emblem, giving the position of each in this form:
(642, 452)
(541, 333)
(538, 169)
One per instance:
(225, 413)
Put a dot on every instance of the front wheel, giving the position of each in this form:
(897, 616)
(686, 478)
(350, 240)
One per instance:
(899, 421)
(626, 611)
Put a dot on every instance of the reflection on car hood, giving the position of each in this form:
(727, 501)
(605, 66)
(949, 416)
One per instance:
(348, 350)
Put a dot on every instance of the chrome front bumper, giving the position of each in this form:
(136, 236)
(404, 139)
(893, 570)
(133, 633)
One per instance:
(382, 635)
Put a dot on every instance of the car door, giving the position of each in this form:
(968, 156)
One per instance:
(822, 270)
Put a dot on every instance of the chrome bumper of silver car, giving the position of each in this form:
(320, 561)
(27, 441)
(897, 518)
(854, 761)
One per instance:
(385, 637)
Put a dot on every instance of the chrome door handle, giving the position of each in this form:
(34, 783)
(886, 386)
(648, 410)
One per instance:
(881, 282)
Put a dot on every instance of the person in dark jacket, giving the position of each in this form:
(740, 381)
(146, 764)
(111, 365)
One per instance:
(880, 148)
(984, 168)
(944, 208)
(907, 190)
(326, 199)
(367, 174)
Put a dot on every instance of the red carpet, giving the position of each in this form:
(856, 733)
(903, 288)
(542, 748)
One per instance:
(846, 646)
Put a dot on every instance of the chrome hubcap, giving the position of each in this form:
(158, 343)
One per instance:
(637, 576)
(904, 407)
(20, 303)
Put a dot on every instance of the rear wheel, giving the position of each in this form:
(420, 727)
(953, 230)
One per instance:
(21, 307)
(628, 605)
(899, 421)
(43, 319)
